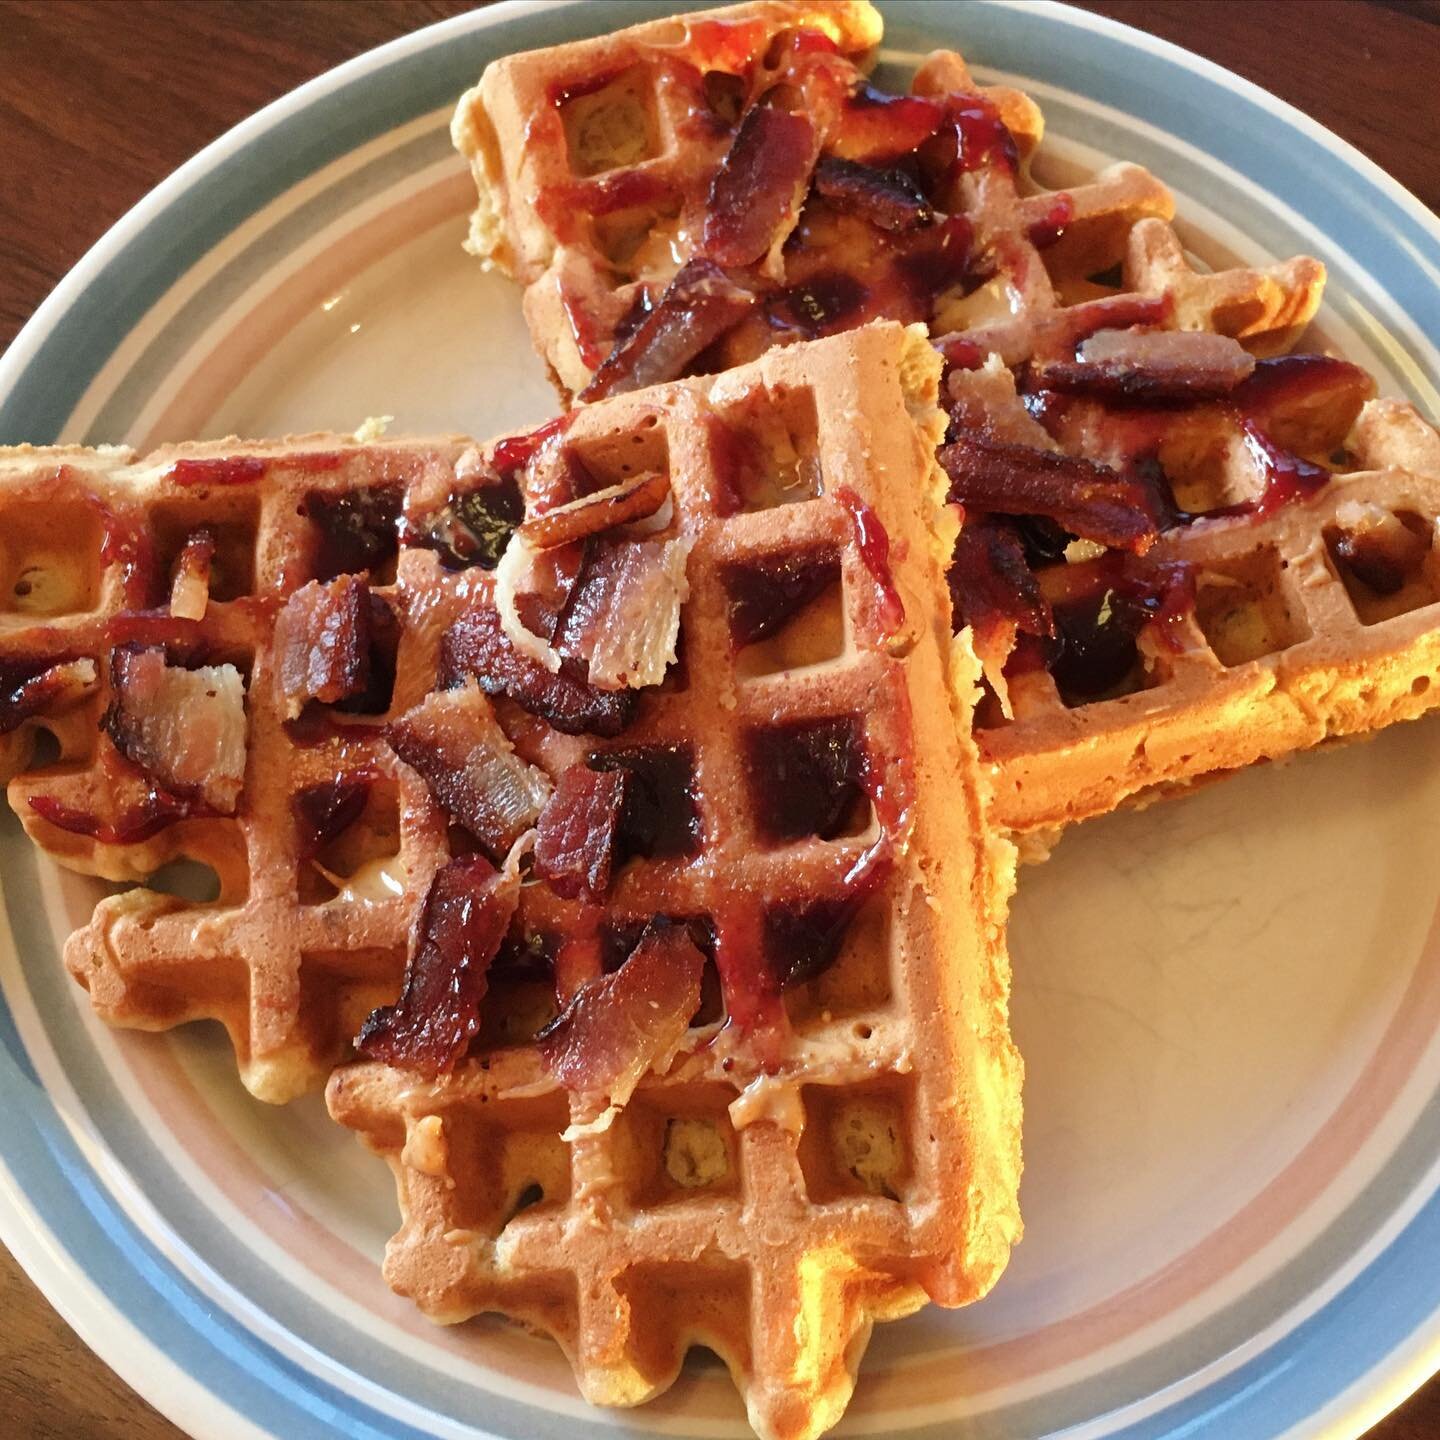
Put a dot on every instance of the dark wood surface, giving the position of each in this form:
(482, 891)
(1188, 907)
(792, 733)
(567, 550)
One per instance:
(101, 99)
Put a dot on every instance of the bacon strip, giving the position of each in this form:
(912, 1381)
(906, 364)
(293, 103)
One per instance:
(1089, 500)
(756, 193)
(323, 643)
(576, 848)
(699, 305)
(1159, 366)
(476, 644)
(991, 583)
(454, 742)
(617, 1028)
(620, 504)
(322, 812)
(623, 619)
(184, 728)
(31, 687)
(888, 199)
(466, 915)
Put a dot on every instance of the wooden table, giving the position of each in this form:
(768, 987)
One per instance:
(101, 101)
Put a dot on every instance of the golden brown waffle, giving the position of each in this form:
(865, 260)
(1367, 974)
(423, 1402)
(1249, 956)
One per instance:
(1293, 636)
(594, 163)
(289, 963)
(808, 1164)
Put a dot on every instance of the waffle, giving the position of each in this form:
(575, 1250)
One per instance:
(1316, 620)
(1040, 273)
(812, 1160)
(288, 962)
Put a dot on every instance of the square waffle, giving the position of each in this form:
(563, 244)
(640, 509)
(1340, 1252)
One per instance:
(608, 174)
(832, 1144)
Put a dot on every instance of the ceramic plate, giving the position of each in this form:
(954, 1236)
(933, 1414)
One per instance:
(1230, 1005)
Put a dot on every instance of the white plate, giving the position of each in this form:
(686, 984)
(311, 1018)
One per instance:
(1230, 1006)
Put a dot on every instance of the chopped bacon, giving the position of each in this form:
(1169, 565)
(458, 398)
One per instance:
(322, 643)
(1158, 366)
(699, 305)
(623, 619)
(756, 193)
(630, 500)
(1378, 547)
(888, 199)
(1089, 500)
(184, 728)
(617, 1028)
(33, 687)
(991, 582)
(576, 848)
(324, 811)
(190, 587)
(875, 127)
(476, 644)
(465, 918)
(764, 593)
(452, 739)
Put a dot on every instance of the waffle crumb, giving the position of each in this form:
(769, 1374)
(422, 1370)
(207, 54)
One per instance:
(868, 1145)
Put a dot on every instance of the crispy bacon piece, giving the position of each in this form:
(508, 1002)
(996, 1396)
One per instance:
(623, 619)
(617, 1028)
(34, 687)
(323, 643)
(466, 915)
(322, 812)
(576, 848)
(699, 305)
(888, 199)
(190, 585)
(631, 499)
(991, 582)
(659, 818)
(756, 193)
(1089, 500)
(184, 728)
(452, 739)
(476, 644)
(1158, 366)
(875, 127)
(764, 594)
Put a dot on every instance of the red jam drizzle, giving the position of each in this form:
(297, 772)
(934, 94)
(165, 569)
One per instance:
(874, 547)
(1048, 230)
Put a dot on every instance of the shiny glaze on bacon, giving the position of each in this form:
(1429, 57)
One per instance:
(30, 687)
(579, 831)
(453, 741)
(477, 645)
(323, 812)
(618, 1027)
(323, 643)
(467, 912)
